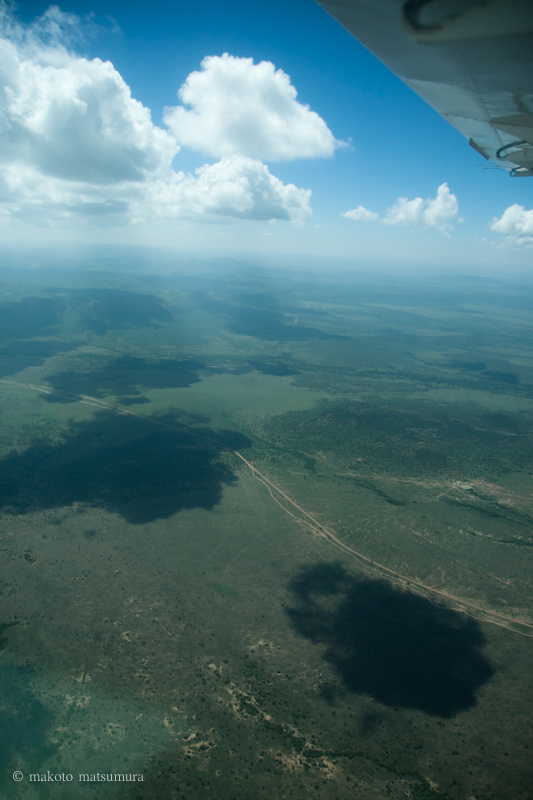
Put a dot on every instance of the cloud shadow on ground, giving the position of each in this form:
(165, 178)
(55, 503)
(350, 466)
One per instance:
(389, 643)
(123, 378)
(18, 356)
(29, 317)
(267, 324)
(103, 309)
(124, 464)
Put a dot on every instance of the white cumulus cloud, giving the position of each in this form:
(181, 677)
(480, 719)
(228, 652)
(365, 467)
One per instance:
(237, 107)
(74, 118)
(432, 213)
(75, 145)
(238, 187)
(517, 223)
(361, 214)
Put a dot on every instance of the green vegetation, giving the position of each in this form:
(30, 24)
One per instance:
(166, 611)
(225, 591)
(415, 440)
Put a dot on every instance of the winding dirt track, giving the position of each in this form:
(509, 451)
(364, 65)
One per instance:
(479, 612)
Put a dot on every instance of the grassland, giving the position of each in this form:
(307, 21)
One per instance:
(349, 618)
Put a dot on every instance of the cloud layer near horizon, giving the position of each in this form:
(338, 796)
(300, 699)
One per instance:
(76, 145)
(361, 214)
(434, 212)
(517, 223)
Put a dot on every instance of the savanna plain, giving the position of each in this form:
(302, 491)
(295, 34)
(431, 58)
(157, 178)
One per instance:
(265, 533)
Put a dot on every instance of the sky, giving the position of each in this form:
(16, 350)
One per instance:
(234, 129)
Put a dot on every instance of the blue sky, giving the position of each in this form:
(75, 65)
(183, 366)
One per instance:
(364, 141)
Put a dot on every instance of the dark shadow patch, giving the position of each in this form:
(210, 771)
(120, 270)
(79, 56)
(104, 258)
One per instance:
(503, 377)
(101, 310)
(8, 486)
(391, 644)
(30, 317)
(122, 377)
(281, 370)
(467, 366)
(97, 310)
(20, 355)
(4, 627)
(272, 327)
(266, 324)
(124, 464)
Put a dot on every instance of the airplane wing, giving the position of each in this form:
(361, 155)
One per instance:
(471, 60)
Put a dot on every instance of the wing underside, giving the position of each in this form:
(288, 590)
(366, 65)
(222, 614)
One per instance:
(471, 60)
